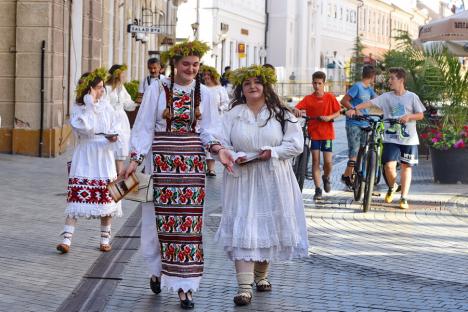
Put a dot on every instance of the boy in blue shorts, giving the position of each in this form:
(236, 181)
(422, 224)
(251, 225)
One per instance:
(407, 108)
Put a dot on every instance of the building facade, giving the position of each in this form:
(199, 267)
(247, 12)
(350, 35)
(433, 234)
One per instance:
(45, 47)
(234, 29)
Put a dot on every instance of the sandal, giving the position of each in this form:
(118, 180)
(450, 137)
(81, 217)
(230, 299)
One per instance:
(211, 173)
(263, 285)
(105, 247)
(243, 298)
(186, 304)
(63, 248)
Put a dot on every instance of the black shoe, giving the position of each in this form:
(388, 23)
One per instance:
(326, 184)
(318, 193)
(346, 181)
(155, 285)
(186, 304)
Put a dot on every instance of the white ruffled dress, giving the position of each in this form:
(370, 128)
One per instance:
(263, 213)
(93, 162)
(120, 100)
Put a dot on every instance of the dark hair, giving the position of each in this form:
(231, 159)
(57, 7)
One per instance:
(272, 100)
(197, 93)
(267, 65)
(399, 72)
(227, 67)
(113, 80)
(93, 84)
(319, 75)
(152, 61)
(368, 71)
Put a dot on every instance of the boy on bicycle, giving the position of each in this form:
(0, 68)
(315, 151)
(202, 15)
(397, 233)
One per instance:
(406, 107)
(322, 107)
(360, 92)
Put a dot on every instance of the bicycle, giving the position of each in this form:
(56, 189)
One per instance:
(368, 170)
(299, 163)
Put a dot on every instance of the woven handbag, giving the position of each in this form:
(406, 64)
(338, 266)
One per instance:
(144, 192)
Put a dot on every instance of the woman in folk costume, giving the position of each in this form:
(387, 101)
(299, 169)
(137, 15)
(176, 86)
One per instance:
(96, 127)
(172, 127)
(219, 101)
(263, 214)
(121, 101)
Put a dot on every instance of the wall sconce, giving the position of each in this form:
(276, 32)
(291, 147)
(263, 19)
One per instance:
(195, 27)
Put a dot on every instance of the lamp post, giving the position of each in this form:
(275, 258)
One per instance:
(195, 27)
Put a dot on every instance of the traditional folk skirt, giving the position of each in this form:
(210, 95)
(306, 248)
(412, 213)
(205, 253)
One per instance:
(179, 193)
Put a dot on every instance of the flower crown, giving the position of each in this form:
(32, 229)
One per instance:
(213, 72)
(185, 48)
(81, 88)
(238, 76)
(119, 70)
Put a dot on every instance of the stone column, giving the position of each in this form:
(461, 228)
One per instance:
(92, 34)
(37, 21)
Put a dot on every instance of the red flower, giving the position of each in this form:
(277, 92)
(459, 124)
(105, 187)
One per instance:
(177, 162)
(164, 166)
(179, 104)
(185, 98)
(183, 167)
(183, 199)
(158, 160)
(181, 256)
(188, 221)
(171, 221)
(189, 193)
(184, 116)
(187, 250)
(424, 135)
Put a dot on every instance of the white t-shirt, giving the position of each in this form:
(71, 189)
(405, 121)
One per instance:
(394, 106)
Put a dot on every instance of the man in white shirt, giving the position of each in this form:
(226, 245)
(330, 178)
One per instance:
(154, 66)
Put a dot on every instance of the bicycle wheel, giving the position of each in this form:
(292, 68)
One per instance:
(300, 167)
(359, 169)
(370, 178)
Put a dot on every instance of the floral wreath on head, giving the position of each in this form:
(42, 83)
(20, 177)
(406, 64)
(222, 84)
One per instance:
(185, 48)
(266, 74)
(119, 70)
(100, 72)
(210, 69)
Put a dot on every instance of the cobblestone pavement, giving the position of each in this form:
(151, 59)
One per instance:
(383, 260)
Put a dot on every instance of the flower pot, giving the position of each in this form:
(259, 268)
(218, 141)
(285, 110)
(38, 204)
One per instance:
(450, 166)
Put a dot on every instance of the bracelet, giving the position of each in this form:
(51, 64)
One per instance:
(137, 158)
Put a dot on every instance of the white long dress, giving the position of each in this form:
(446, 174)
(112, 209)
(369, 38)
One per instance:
(121, 101)
(263, 213)
(219, 100)
(93, 162)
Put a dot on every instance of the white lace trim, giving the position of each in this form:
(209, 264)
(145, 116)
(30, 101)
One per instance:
(267, 254)
(91, 211)
(173, 283)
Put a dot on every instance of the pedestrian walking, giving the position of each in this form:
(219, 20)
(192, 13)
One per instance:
(97, 128)
(174, 124)
(120, 101)
(263, 214)
(322, 107)
(219, 99)
(400, 144)
(360, 92)
(154, 67)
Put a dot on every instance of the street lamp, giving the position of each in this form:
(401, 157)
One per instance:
(195, 27)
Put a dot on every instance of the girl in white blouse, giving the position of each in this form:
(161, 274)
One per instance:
(263, 214)
(97, 128)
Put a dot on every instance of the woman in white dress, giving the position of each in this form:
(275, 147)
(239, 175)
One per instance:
(263, 214)
(121, 101)
(96, 129)
(173, 125)
(219, 101)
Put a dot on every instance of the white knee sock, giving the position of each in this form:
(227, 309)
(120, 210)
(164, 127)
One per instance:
(261, 272)
(105, 234)
(245, 281)
(67, 234)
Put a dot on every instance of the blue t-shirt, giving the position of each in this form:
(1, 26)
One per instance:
(359, 94)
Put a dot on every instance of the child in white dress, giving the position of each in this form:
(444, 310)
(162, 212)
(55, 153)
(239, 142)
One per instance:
(120, 101)
(263, 214)
(97, 129)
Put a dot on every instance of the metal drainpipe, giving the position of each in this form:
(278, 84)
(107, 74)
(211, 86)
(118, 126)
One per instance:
(41, 139)
(70, 12)
(266, 30)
